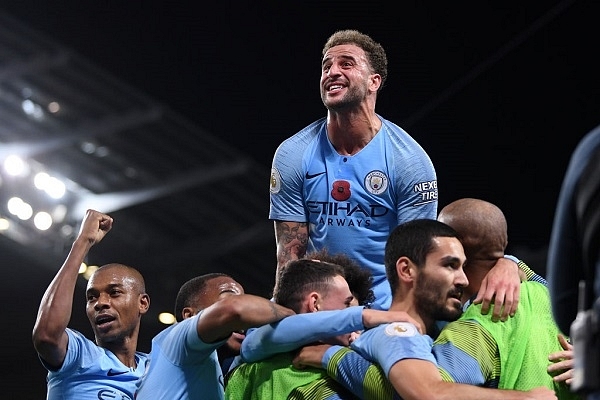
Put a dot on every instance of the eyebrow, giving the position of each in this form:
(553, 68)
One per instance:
(109, 287)
(343, 56)
(451, 260)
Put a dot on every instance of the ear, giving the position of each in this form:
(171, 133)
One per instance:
(405, 269)
(144, 303)
(375, 82)
(314, 301)
(187, 312)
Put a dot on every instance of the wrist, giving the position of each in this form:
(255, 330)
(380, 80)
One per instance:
(522, 274)
(367, 317)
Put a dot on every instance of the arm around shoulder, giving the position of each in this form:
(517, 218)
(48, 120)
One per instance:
(236, 313)
(501, 287)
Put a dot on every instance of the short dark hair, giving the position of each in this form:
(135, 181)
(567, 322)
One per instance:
(189, 291)
(360, 279)
(412, 239)
(299, 277)
(373, 50)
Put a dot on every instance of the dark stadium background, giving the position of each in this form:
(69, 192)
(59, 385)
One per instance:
(498, 93)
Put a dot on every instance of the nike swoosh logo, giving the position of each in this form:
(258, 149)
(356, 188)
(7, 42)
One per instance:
(309, 176)
(113, 373)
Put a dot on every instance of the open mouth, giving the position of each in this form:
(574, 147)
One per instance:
(103, 320)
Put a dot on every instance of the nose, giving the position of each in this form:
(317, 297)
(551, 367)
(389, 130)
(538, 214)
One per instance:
(102, 302)
(333, 70)
(461, 278)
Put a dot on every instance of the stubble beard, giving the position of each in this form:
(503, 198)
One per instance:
(433, 304)
(350, 100)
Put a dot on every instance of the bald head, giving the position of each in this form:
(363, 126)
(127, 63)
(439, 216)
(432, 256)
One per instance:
(128, 274)
(481, 227)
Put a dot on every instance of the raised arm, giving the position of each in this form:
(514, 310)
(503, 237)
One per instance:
(49, 337)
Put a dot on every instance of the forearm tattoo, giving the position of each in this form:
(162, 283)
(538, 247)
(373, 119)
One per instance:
(292, 238)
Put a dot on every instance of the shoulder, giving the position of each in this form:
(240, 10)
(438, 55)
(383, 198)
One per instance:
(404, 329)
(72, 333)
(176, 333)
(399, 136)
(181, 342)
(77, 341)
(392, 331)
(303, 137)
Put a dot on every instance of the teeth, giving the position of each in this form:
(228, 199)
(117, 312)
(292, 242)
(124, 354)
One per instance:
(335, 87)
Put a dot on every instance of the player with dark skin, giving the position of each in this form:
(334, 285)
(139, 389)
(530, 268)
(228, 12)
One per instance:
(116, 301)
(211, 310)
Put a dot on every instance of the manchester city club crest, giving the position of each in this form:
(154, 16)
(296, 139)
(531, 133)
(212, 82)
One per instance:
(376, 182)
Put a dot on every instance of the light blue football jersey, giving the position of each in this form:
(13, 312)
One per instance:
(352, 203)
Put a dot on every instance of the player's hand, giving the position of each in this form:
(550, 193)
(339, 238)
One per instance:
(562, 367)
(95, 226)
(310, 356)
(501, 287)
(354, 335)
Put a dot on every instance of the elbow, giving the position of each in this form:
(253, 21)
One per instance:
(232, 310)
(44, 338)
(41, 341)
(50, 348)
(234, 306)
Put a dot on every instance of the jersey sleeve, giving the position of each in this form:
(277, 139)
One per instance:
(297, 330)
(387, 344)
(414, 180)
(286, 182)
(530, 274)
(360, 376)
(462, 362)
(80, 352)
(179, 340)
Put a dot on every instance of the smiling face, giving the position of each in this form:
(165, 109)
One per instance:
(440, 283)
(347, 79)
(116, 300)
